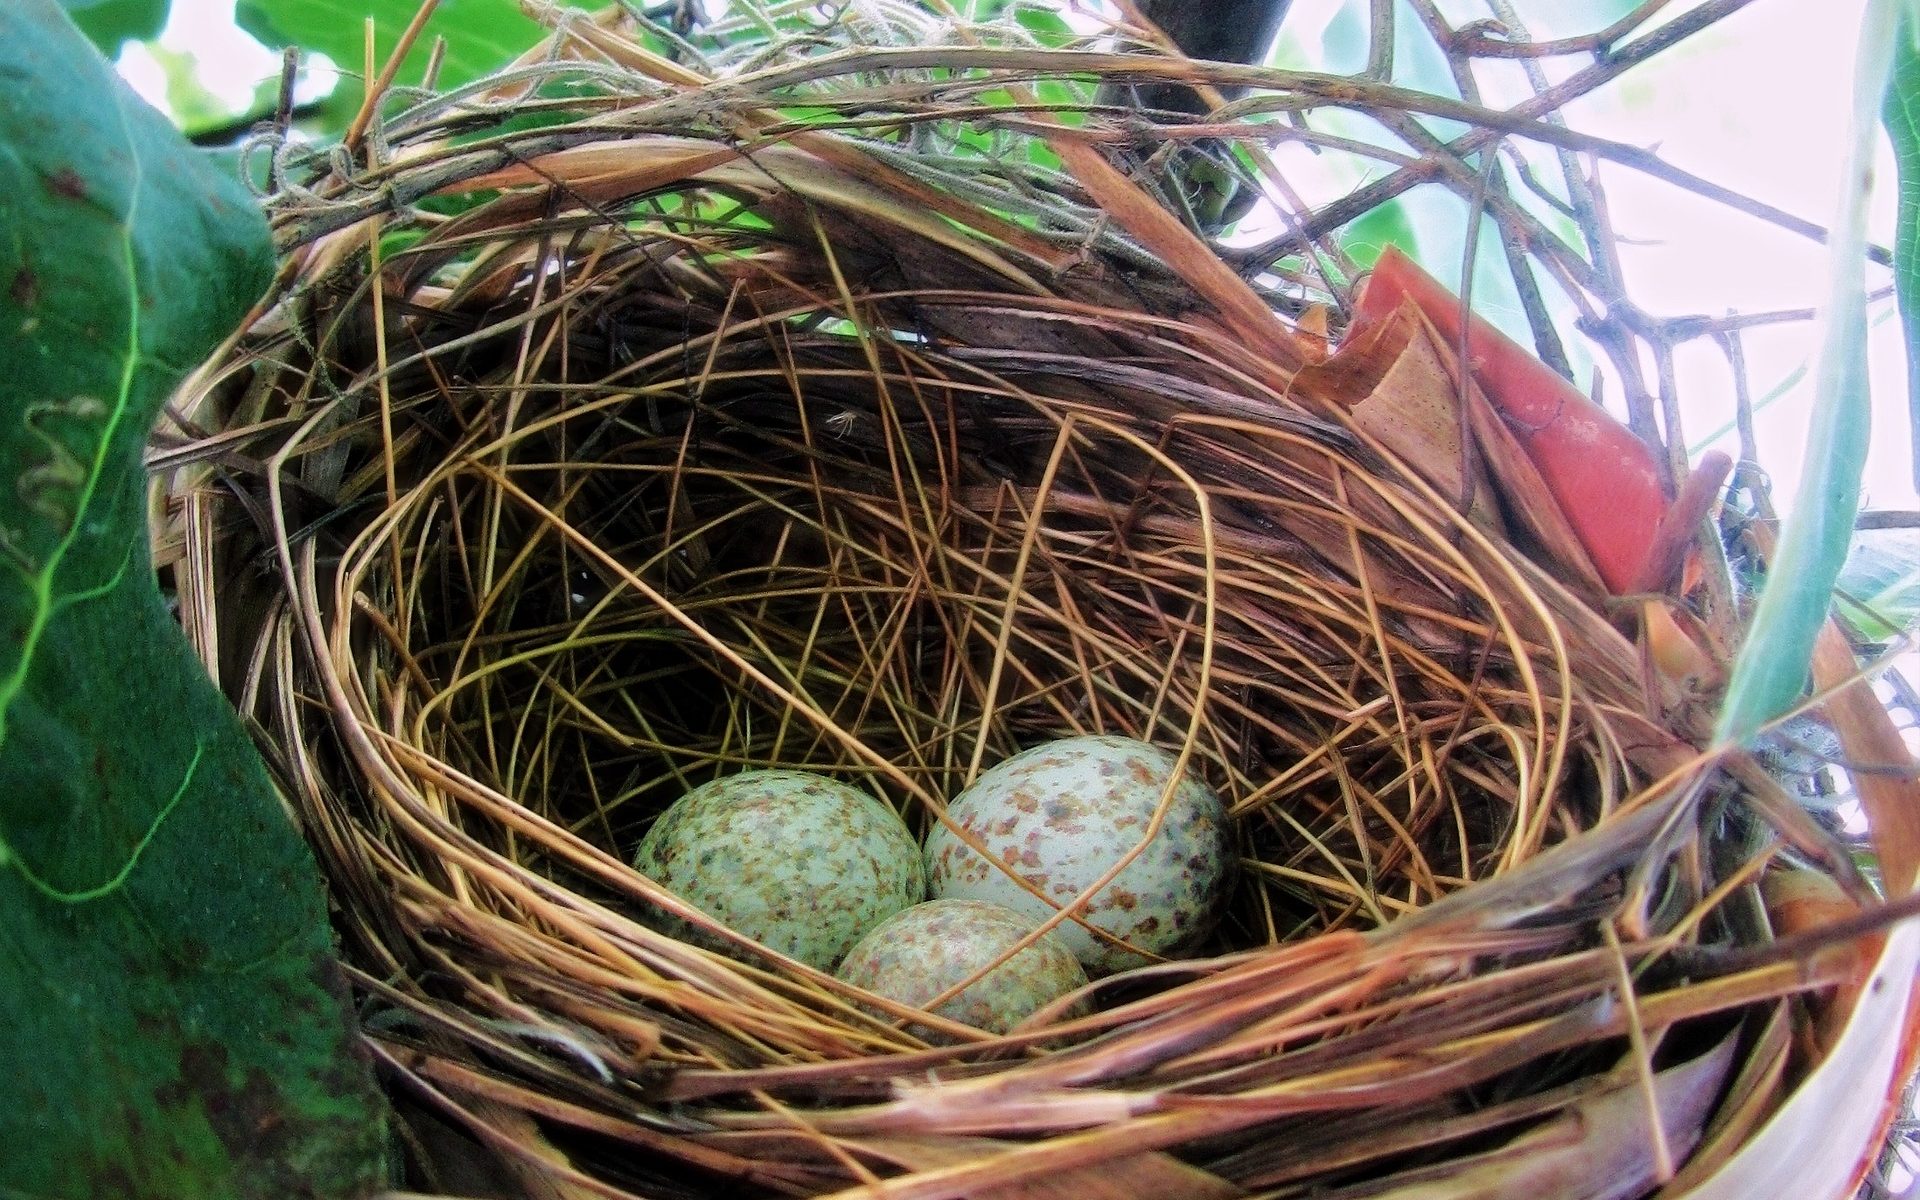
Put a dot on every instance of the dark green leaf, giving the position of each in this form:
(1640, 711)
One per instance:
(229, 163)
(171, 1019)
(1770, 673)
(109, 23)
(1902, 115)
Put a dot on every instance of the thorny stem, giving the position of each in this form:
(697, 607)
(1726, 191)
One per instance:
(1380, 43)
(1747, 471)
(1616, 339)
(1579, 197)
(1477, 43)
(1487, 181)
(1365, 199)
(1669, 396)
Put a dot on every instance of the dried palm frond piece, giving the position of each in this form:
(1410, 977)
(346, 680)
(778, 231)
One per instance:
(621, 424)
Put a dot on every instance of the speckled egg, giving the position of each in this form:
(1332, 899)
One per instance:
(914, 956)
(1060, 815)
(797, 862)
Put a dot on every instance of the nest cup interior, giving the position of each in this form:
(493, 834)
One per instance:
(632, 509)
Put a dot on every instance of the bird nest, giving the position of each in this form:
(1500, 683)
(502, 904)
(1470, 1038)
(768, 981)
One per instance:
(577, 461)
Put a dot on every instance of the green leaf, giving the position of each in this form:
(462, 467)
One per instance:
(1046, 26)
(1771, 671)
(1367, 237)
(111, 23)
(481, 36)
(1880, 584)
(171, 1018)
(1902, 115)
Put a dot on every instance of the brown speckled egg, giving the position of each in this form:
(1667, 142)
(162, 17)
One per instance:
(1061, 815)
(914, 956)
(797, 862)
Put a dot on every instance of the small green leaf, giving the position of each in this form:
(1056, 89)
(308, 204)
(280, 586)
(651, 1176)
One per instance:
(112, 23)
(171, 1019)
(1879, 587)
(1771, 671)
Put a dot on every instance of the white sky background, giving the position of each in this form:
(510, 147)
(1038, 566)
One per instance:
(1759, 103)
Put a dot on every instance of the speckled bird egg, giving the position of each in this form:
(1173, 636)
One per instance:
(1060, 815)
(797, 862)
(915, 955)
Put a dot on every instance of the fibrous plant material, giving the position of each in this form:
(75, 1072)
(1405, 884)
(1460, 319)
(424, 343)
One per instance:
(623, 423)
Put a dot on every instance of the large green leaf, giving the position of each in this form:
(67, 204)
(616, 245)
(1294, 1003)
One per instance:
(171, 1019)
(112, 22)
(1771, 671)
(481, 36)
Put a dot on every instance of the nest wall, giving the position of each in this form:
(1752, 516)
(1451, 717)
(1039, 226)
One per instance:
(673, 458)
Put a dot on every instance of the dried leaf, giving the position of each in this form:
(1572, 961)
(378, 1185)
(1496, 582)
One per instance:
(1890, 791)
(1415, 413)
(1817, 1144)
(1605, 481)
(1355, 370)
(1413, 409)
(1150, 1176)
(1799, 900)
(1243, 311)
(1675, 534)
(602, 172)
(1597, 1150)
(1540, 521)
(1750, 1098)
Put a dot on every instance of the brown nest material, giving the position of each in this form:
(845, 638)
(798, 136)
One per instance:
(684, 436)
